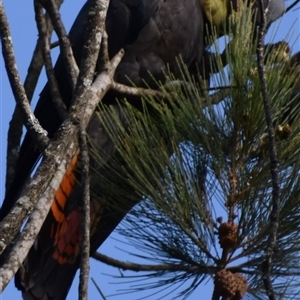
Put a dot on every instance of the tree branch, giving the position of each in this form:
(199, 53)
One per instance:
(214, 98)
(15, 126)
(96, 27)
(43, 187)
(274, 216)
(38, 134)
(44, 35)
(162, 267)
(65, 44)
(85, 248)
(292, 6)
(98, 289)
(134, 91)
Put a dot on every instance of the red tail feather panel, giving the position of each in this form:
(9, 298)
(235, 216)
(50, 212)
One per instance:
(65, 232)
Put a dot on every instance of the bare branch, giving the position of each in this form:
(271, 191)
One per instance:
(13, 145)
(34, 69)
(214, 98)
(134, 91)
(38, 134)
(65, 45)
(16, 123)
(98, 289)
(85, 247)
(292, 6)
(274, 216)
(162, 267)
(45, 37)
(95, 46)
(43, 187)
(39, 194)
(103, 54)
(96, 27)
(54, 45)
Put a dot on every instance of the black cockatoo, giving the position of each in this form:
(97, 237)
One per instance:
(153, 33)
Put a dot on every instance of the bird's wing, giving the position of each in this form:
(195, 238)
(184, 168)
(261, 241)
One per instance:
(45, 111)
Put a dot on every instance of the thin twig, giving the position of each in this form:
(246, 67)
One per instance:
(65, 44)
(135, 91)
(45, 37)
(85, 247)
(214, 98)
(38, 134)
(98, 289)
(274, 216)
(292, 6)
(54, 45)
(161, 267)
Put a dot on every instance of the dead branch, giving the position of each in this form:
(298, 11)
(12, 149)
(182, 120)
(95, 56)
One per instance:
(16, 123)
(161, 267)
(98, 289)
(65, 44)
(38, 134)
(214, 98)
(85, 247)
(41, 189)
(90, 53)
(292, 6)
(45, 37)
(134, 91)
(274, 215)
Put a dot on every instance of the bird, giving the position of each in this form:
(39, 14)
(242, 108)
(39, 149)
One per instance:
(218, 11)
(153, 34)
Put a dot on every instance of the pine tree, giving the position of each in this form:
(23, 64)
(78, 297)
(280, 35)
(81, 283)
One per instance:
(219, 197)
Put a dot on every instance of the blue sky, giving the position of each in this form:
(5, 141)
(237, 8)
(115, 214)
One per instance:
(24, 33)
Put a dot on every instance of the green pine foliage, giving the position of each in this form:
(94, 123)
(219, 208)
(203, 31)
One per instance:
(200, 171)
